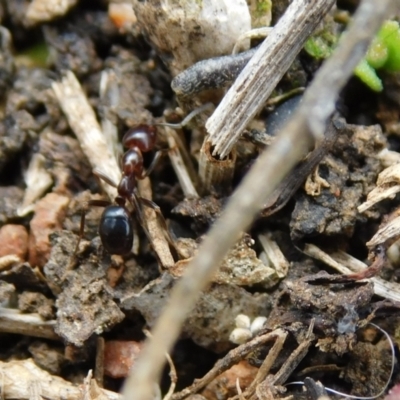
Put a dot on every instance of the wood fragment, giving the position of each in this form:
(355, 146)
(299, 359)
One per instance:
(387, 186)
(263, 72)
(386, 234)
(182, 165)
(275, 255)
(266, 366)
(216, 174)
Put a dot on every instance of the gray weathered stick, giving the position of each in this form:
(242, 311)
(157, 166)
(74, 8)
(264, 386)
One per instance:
(262, 179)
(263, 72)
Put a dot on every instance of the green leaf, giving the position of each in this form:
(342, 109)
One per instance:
(377, 54)
(390, 36)
(368, 75)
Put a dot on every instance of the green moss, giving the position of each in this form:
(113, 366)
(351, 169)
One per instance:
(263, 7)
(36, 55)
(317, 48)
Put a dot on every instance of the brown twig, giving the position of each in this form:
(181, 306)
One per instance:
(232, 358)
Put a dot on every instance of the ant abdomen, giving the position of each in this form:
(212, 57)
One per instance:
(141, 136)
(116, 231)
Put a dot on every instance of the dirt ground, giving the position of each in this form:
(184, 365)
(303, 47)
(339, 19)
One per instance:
(307, 301)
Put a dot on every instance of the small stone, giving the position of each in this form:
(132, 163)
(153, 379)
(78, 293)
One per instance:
(242, 321)
(240, 335)
(32, 302)
(257, 325)
(119, 357)
(14, 241)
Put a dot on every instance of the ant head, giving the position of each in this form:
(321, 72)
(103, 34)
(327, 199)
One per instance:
(141, 136)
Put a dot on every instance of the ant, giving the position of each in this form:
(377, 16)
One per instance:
(116, 223)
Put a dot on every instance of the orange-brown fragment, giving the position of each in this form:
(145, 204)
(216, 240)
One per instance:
(224, 385)
(49, 216)
(119, 357)
(14, 241)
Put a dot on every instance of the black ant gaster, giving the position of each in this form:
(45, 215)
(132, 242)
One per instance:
(116, 223)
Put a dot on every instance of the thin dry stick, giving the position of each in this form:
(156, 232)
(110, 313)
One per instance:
(263, 72)
(158, 240)
(271, 167)
(266, 366)
(13, 321)
(232, 358)
(181, 168)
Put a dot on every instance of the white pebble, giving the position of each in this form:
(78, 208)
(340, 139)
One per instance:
(240, 336)
(242, 321)
(257, 325)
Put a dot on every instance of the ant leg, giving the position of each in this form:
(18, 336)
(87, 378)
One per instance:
(139, 214)
(156, 159)
(161, 219)
(104, 177)
(188, 118)
(95, 203)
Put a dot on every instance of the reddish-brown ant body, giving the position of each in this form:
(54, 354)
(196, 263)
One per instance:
(116, 223)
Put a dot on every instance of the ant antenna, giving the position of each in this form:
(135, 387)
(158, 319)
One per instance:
(350, 396)
(188, 118)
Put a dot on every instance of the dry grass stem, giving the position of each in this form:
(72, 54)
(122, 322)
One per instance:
(388, 185)
(83, 122)
(182, 165)
(275, 255)
(13, 321)
(263, 72)
(266, 366)
(156, 232)
(388, 232)
(346, 264)
(268, 171)
(38, 181)
(20, 379)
